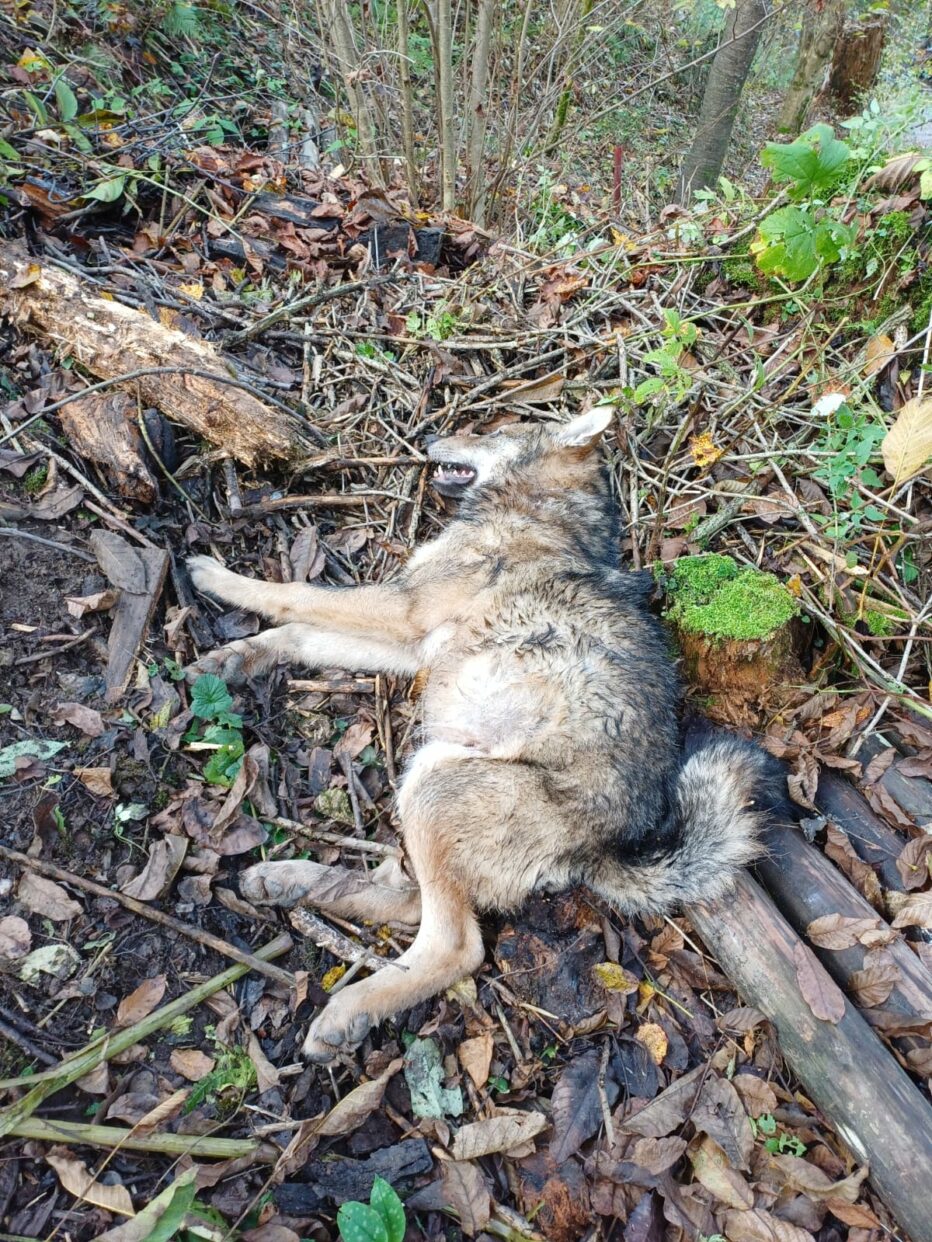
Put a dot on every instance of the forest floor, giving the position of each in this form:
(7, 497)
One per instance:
(549, 1096)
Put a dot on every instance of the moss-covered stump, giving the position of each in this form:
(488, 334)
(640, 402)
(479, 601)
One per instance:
(738, 632)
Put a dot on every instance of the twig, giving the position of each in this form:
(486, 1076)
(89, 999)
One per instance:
(310, 833)
(26, 1044)
(207, 939)
(45, 655)
(110, 1043)
(198, 1145)
(327, 937)
(15, 533)
(289, 309)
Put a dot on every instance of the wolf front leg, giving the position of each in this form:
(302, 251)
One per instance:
(380, 611)
(303, 644)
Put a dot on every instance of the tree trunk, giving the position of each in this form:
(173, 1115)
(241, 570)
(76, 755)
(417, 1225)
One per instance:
(407, 102)
(344, 45)
(880, 1113)
(444, 24)
(727, 76)
(856, 60)
(477, 114)
(821, 27)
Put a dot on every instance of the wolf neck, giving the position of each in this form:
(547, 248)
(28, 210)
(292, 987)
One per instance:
(581, 520)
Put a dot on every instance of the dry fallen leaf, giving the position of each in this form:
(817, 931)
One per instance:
(835, 931)
(907, 446)
(191, 1063)
(757, 1096)
(873, 985)
(512, 1127)
(165, 857)
(615, 978)
(820, 993)
(98, 780)
(757, 1225)
(654, 1039)
(915, 862)
(45, 897)
(87, 719)
(465, 1189)
(266, 1074)
(475, 1056)
(140, 1003)
(916, 912)
(349, 1114)
(74, 1176)
(100, 601)
(15, 937)
(712, 1170)
(880, 349)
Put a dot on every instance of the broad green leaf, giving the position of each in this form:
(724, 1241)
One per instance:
(811, 163)
(210, 697)
(66, 100)
(179, 1195)
(793, 243)
(385, 1201)
(36, 107)
(8, 152)
(107, 191)
(360, 1223)
(35, 748)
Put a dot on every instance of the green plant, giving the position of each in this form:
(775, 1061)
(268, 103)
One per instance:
(216, 728)
(232, 1076)
(779, 1143)
(672, 378)
(797, 240)
(35, 479)
(381, 1220)
(849, 441)
(712, 595)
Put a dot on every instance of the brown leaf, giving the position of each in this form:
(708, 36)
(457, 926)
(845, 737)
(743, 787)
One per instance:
(915, 912)
(245, 779)
(818, 990)
(915, 862)
(668, 1110)
(741, 1019)
(132, 1106)
(98, 780)
(719, 1113)
(656, 1155)
(576, 1104)
(100, 601)
(465, 1190)
(794, 1173)
(840, 850)
(191, 1063)
(712, 1170)
(898, 171)
(475, 1056)
(880, 350)
(306, 556)
(140, 1003)
(856, 1215)
(757, 1225)
(267, 1075)
(835, 931)
(15, 937)
(511, 1127)
(45, 897)
(87, 719)
(97, 1081)
(879, 764)
(355, 740)
(57, 503)
(355, 1107)
(757, 1096)
(872, 986)
(165, 857)
(76, 1179)
(884, 803)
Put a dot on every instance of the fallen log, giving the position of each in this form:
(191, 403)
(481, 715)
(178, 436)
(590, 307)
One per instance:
(874, 841)
(806, 886)
(868, 1098)
(111, 340)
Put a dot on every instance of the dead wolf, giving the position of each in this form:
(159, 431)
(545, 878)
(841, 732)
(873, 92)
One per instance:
(550, 751)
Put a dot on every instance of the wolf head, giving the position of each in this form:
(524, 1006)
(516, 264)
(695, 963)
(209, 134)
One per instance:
(550, 454)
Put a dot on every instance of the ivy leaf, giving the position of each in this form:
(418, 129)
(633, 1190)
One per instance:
(210, 697)
(792, 243)
(385, 1201)
(66, 100)
(811, 163)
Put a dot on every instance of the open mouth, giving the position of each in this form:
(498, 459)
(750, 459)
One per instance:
(450, 478)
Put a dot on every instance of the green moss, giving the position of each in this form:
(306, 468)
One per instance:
(35, 480)
(712, 595)
(741, 271)
(878, 623)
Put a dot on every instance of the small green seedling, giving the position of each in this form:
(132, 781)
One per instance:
(381, 1220)
(222, 729)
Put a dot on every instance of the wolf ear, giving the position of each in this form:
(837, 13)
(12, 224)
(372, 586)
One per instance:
(586, 429)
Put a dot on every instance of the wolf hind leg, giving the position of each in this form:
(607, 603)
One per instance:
(463, 821)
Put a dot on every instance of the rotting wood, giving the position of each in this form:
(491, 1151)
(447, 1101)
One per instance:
(139, 573)
(110, 340)
(109, 1044)
(205, 938)
(806, 886)
(199, 1146)
(873, 840)
(102, 428)
(871, 1102)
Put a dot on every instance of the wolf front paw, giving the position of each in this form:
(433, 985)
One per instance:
(230, 662)
(337, 1032)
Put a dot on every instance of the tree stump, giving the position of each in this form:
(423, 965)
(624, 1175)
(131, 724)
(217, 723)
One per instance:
(856, 60)
(738, 634)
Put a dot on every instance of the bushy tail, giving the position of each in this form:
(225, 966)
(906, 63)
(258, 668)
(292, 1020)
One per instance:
(724, 792)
